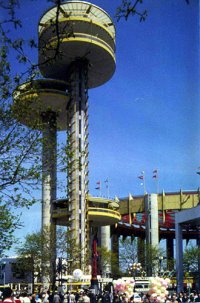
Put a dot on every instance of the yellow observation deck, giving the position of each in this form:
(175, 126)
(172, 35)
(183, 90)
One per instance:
(101, 211)
(78, 30)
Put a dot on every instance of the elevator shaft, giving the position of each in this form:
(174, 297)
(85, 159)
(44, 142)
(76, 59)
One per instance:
(77, 134)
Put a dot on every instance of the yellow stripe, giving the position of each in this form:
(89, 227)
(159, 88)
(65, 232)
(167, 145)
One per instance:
(32, 95)
(84, 40)
(95, 38)
(93, 208)
(104, 214)
(88, 20)
(78, 283)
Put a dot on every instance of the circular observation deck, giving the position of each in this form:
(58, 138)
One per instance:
(101, 212)
(32, 99)
(77, 31)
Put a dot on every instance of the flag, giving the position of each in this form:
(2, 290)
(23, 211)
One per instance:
(198, 171)
(106, 181)
(116, 199)
(130, 197)
(155, 174)
(99, 185)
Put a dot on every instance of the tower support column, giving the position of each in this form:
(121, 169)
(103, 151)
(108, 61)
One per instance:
(198, 245)
(49, 164)
(179, 256)
(77, 131)
(170, 252)
(105, 243)
(115, 248)
(140, 250)
(152, 228)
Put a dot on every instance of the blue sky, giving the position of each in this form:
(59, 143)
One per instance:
(147, 116)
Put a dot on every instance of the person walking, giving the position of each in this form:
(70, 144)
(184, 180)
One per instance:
(56, 298)
(7, 295)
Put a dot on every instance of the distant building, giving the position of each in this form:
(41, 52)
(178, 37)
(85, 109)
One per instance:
(12, 273)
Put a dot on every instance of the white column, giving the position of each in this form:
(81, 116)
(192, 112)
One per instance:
(105, 243)
(49, 191)
(77, 110)
(179, 256)
(152, 225)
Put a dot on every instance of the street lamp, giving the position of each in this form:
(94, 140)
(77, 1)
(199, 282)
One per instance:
(62, 267)
(160, 266)
(134, 269)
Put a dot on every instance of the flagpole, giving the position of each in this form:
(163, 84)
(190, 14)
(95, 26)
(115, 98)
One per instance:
(144, 183)
(100, 193)
(157, 185)
(99, 187)
(108, 190)
(107, 187)
(155, 176)
(142, 177)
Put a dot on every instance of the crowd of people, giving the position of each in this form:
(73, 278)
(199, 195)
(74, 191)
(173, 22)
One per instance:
(182, 297)
(82, 296)
(87, 296)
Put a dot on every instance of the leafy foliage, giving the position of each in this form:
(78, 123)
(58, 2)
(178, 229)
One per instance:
(69, 250)
(143, 253)
(130, 8)
(20, 169)
(191, 259)
(34, 252)
(20, 146)
(109, 259)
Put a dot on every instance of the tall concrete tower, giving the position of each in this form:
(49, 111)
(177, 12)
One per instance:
(77, 45)
(76, 52)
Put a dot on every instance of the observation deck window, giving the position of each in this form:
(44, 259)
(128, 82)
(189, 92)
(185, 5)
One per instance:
(98, 204)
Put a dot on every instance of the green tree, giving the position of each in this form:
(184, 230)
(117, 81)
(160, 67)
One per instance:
(33, 252)
(68, 249)
(191, 261)
(36, 251)
(146, 255)
(20, 146)
(20, 171)
(108, 259)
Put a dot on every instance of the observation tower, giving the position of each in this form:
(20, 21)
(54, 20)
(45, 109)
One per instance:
(77, 45)
(76, 52)
(41, 104)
